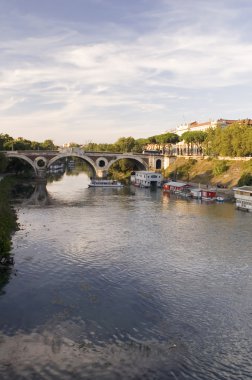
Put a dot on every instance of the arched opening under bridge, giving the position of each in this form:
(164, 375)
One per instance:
(123, 166)
(71, 163)
(20, 164)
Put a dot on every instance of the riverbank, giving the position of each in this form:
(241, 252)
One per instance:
(209, 172)
(8, 217)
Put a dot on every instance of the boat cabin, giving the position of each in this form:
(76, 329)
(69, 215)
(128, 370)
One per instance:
(146, 179)
(196, 193)
(208, 194)
(205, 194)
(174, 186)
(243, 197)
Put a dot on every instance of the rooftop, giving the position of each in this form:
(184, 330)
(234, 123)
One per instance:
(244, 188)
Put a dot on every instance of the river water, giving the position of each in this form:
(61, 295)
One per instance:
(127, 284)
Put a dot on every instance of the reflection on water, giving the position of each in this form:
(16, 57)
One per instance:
(127, 284)
(39, 196)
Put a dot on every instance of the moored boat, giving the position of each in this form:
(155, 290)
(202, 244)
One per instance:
(105, 183)
(243, 198)
(146, 179)
(208, 194)
(176, 187)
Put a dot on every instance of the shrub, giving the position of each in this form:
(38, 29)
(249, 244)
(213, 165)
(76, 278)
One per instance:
(220, 167)
(183, 171)
(245, 180)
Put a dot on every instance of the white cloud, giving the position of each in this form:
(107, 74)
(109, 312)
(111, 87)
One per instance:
(64, 76)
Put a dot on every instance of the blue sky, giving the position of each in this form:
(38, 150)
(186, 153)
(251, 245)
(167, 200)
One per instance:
(96, 70)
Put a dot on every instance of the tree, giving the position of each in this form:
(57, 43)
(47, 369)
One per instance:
(152, 140)
(245, 180)
(48, 145)
(188, 139)
(213, 140)
(169, 139)
(234, 140)
(3, 162)
(138, 147)
(125, 144)
(198, 138)
(35, 145)
(5, 141)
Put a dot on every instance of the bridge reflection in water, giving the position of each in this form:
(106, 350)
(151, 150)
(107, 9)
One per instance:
(39, 197)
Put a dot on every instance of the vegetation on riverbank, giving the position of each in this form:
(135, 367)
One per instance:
(235, 140)
(8, 218)
(211, 171)
(122, 169)
(9, 143)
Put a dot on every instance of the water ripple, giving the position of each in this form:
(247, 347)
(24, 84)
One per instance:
(127, 285)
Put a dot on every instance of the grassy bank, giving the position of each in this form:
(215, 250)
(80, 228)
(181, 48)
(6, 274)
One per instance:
(210, 171)
(8, 218)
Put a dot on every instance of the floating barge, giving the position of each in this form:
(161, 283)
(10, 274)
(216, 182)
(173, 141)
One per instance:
(185, 189)
(146, 179)
(176, 187)
(243, 198)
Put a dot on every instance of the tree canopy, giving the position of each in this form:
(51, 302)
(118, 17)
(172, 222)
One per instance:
(234, 140)
(9, 143)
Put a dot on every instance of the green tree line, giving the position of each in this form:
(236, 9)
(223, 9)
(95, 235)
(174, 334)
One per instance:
(9, 143)
(129, 144)
(234, 141)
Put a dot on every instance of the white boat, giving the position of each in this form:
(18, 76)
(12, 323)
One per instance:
(105, 183)
(243, 197)
(146, 179)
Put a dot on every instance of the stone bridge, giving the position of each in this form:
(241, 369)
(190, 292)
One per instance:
(99, 162)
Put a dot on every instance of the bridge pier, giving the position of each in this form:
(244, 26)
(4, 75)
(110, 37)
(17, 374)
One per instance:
(41, 174)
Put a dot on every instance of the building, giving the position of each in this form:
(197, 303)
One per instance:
(196, 126)
(146, 179)
(243, 197)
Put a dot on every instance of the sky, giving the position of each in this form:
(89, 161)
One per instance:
(97, 70)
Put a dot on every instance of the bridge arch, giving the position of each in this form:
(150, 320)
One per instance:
(23, 158)
(143, 164)
(82, 157)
